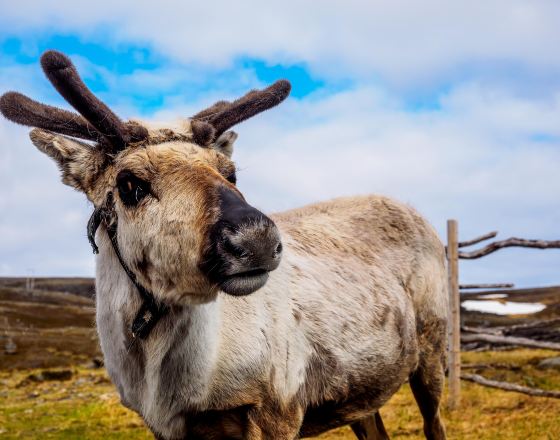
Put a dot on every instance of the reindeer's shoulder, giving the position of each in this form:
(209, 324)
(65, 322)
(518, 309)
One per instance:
(372, 214)
(344, 208)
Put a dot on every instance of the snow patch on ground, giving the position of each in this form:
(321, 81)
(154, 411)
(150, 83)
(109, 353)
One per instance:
(503, 307)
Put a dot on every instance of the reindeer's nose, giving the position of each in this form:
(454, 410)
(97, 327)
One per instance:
(253, 244)
(245, 246)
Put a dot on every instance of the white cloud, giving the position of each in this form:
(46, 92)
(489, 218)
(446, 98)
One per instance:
(42, 222)
(404, 42)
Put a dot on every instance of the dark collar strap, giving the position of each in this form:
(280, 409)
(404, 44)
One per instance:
(151, 311)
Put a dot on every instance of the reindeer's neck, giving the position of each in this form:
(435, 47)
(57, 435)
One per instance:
(178, 355)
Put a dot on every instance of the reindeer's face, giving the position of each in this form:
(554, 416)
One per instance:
(184, 228)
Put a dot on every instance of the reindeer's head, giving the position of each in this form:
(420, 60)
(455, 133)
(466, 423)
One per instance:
(184, 228)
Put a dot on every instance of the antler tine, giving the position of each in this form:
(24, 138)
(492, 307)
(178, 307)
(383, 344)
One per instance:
(23, 110)
(65, 78)
(224, 115)
(214, 108)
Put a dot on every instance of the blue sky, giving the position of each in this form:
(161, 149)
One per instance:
(129, 59)
(454, 109)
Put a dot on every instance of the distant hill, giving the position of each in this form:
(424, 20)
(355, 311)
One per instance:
(51, 321)
(77, 286)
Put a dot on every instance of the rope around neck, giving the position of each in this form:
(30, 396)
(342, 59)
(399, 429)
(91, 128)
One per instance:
(151, 311)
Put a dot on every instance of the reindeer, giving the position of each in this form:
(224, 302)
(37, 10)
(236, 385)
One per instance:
(204, 333)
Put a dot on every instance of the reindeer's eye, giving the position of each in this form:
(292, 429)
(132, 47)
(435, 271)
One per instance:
(232, 178)
(131, 188)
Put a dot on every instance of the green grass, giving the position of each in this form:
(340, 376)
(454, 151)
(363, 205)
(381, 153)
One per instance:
(87, 407)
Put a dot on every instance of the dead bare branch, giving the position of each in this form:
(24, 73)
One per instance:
(506, 386)
(528, 325)
(483, 330)
(497, 366)
(510, 242)
(486, 286)
(478, 239)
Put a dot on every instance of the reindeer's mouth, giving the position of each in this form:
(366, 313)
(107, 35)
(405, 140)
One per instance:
(244, 283)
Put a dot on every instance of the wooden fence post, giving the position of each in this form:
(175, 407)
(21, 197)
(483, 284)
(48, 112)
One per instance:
(454, 381)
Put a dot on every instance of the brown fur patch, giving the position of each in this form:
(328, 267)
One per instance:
(143, 266)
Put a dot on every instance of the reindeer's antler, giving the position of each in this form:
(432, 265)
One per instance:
(65, 78)
(23, 110)
(97, 121)
(223, 115)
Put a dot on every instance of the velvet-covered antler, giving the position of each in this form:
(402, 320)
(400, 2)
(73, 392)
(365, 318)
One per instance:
(224, 115)
(65, 78)
(97, 122)
(23, 110)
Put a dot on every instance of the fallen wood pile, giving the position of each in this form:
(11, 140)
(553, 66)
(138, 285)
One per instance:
(509, 340)
(544, 330)
(488, 331)
(544, 334)
(537, 334)
(530, 294)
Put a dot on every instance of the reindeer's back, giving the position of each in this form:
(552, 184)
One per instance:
(375, 236)
(367, 225)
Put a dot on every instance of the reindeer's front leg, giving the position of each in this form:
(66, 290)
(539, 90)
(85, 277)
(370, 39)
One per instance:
(274, 421)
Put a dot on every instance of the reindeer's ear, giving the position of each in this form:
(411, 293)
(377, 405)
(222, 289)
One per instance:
(224, 144)
(79, 163)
